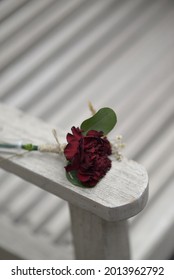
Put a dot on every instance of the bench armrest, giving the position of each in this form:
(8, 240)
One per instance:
(121, 194)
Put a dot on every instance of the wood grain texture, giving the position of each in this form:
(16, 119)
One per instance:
(121, 194)
(97, 239)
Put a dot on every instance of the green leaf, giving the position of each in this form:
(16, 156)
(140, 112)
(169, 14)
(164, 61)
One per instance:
(104, 120)
(72, 178)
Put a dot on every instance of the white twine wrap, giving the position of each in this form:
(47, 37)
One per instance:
(53, 148)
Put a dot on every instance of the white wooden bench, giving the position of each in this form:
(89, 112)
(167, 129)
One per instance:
(54, 57)
(98, 215)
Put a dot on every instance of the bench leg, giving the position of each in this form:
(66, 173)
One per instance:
(95, 238)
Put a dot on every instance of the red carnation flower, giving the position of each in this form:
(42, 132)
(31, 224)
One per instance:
(88, 155)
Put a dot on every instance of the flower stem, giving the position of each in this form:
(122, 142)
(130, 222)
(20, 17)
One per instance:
(9, 146)
(29, 147)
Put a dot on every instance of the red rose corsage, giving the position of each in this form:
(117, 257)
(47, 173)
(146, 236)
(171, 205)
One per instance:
(88, 149)
(87, 155)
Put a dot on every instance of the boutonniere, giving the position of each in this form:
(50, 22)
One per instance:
(88, 150)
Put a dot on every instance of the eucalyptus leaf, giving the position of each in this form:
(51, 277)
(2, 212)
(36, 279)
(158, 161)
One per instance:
(72, 178)
(104, 120)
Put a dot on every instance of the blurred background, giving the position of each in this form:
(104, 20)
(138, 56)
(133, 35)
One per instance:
(55, 56)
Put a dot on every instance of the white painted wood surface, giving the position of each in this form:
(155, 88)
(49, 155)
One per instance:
(120, 195)
(97, 239)
(98, 214)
